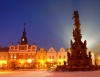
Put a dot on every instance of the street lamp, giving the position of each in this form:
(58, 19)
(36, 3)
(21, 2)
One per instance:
(29, 61)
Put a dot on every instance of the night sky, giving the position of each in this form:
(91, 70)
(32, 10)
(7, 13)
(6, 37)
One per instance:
(48, 22)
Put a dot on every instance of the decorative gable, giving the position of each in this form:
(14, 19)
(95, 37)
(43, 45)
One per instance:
(51, 50)
(62, 50)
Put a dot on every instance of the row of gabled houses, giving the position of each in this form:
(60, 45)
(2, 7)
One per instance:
(25, 56)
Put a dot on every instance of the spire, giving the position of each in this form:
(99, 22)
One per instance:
(24, 32)
(24, 26)
(24, 38)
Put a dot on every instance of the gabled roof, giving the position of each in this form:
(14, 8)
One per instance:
(41, 50)
(51, 50)
(61, 50)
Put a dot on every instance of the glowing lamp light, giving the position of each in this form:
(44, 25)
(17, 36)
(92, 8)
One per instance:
(3, 62)
(60, 60)
(21, 62)
(29, 60)
(98, 57)
(41, 61)
(50, 60)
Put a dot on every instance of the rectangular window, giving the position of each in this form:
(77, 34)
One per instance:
(52, 57)
(22, 47)
(11, 56)
(43, 57)
(33, 47)
(11, 47)
(59, 56)
(4, 57)
(59, 63)
(29, 56)
(64, 56)
(14, 56)
(20, 56)
(39, 57)
(32, 56)
(49, 57)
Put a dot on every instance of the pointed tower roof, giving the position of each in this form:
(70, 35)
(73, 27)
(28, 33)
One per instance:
(24, 38)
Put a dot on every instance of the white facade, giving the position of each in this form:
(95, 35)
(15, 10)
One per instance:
(51, 55)
(61, 56)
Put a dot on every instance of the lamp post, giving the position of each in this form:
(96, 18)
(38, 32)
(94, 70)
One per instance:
(29, 61)
(21, 64)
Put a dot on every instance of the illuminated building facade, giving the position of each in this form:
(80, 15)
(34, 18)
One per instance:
(41, 58)
(51, 57)
(61, 57)
(3, 57)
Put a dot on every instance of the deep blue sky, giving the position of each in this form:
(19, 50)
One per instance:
(48, 22)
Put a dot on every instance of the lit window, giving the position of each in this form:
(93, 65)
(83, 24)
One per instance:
(11, 47)
(33, 47)
(52, 57)
(59, 63)
(39, 57)
(29, 56)
(32, 56)
(59, 56)
(64, 56)
(4, 57)
(11, 56)
(49, 57)
(14, 56)
(43, 57)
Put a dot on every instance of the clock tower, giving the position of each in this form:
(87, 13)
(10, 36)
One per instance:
(24, 38)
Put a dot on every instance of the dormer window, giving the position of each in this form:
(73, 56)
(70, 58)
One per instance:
(33, 47)
(12, 47)
(14, 56)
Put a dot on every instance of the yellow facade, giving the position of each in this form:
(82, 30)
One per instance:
(3, 59)
(61, 57)
(41, 58)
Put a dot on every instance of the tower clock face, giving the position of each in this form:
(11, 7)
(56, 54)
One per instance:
(23, 39)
